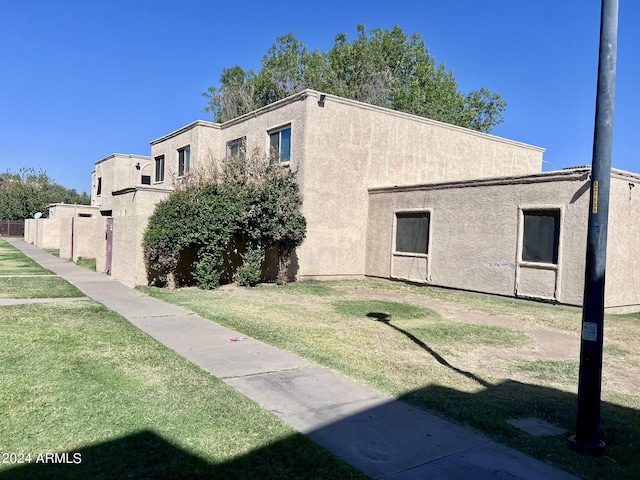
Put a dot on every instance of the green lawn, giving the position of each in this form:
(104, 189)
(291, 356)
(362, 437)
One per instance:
(14, 262)
(80, 379)
(37, 287)
(387, 336)
(88, 263)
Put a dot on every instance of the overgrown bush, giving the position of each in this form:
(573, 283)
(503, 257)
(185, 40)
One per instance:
(254, 199)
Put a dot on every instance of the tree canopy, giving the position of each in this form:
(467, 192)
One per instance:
(387, 68)
(27, 192)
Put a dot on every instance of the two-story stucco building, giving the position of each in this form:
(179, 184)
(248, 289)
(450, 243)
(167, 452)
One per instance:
(390, 195)
(339, 149)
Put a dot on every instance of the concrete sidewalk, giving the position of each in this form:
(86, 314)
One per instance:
(383, 437)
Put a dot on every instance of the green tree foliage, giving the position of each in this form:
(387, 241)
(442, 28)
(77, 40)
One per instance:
(383, 67)
(252, 201)
(27, 192)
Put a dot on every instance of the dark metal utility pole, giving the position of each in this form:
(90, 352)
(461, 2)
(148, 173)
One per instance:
(587, 439)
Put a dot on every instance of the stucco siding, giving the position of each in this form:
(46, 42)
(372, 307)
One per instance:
(353, 146)
(128, 259)
(203, 140)
(623, 247)
(116, 172)
(84, 245)
(476, 236)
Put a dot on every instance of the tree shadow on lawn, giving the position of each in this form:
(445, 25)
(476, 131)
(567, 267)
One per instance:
(488, 410)
(149, 456)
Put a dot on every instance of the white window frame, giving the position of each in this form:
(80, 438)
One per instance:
(241, 143)
(429, 214)
(522, 212)
(278, 131)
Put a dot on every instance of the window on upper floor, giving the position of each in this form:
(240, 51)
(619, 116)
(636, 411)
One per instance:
(541, 236)
(237, 147)
(184, 159)
(412, 232)
(280, 143)
(99, 187)
(159, 161)
(146, 180)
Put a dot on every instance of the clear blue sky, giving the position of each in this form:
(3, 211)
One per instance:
(82, 79)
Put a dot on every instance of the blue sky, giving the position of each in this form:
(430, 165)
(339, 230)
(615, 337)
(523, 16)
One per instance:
(83, 79)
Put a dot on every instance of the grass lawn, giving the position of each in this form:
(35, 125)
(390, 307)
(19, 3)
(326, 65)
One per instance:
(14, 262)
(78, 378)
(37, 287)
(88, 263)
(479, 374)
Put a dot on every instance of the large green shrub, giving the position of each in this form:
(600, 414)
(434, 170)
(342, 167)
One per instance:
(253, 199)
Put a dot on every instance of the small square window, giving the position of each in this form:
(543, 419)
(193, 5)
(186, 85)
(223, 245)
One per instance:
(280, 144)
(541, 236)
(237, 147)
(159, 161)
(184, 159)
(412, 232)
(146, 180)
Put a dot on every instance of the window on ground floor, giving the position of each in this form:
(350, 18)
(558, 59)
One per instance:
(412, 232)
(541, 236)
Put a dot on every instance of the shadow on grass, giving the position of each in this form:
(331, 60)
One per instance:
(488, 410)
(386, 319)
(147, 455)
(387, 439)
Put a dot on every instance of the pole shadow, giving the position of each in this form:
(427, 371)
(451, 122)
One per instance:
(386, 319)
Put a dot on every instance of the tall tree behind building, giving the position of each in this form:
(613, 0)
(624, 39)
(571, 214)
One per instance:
(27, 192)
(382, 67)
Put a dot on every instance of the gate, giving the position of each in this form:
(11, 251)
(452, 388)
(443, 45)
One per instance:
(109, 241)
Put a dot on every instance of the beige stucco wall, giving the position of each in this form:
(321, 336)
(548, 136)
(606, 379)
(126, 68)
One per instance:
(128, 260)
(30, 230)
(78, 237)
(338, 151)
(351, 147)
(47, 233)
(66, 237)
(84, 230)
(66, 210)
(476, 237)
(99, 238)
(118, 171)
(140, 200)
(476, 233)
(623, 245)
(203, 139)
